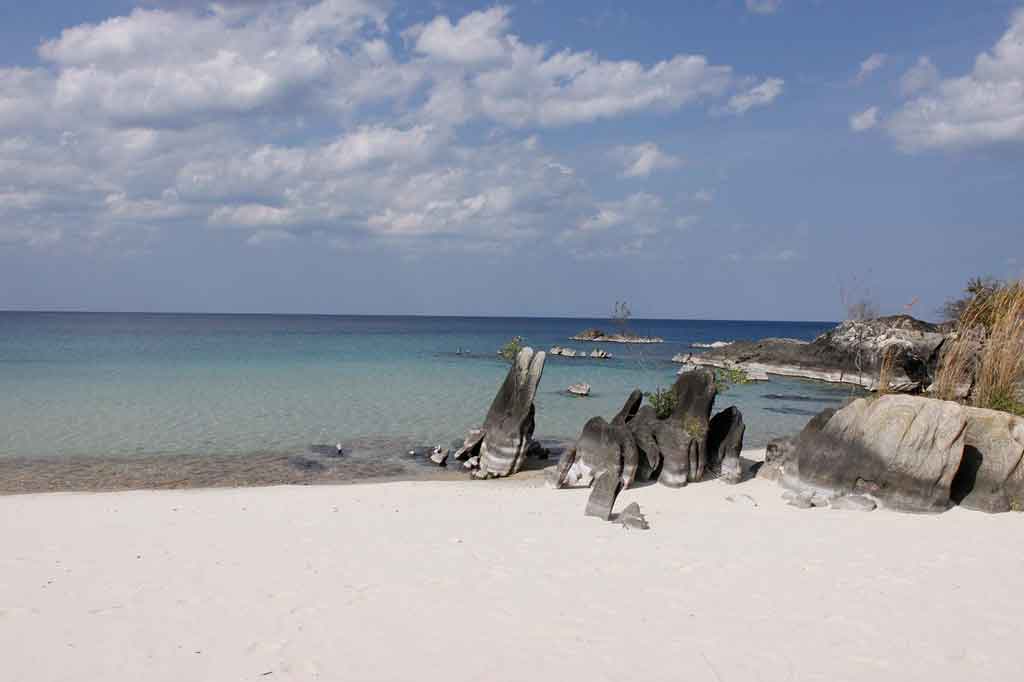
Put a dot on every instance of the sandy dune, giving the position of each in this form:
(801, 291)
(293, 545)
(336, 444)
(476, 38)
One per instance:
(500, 581)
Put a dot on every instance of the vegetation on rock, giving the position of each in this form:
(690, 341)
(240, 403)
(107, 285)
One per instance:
(511, 349)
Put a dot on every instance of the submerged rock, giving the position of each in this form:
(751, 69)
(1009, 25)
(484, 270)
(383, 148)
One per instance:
(581, 390)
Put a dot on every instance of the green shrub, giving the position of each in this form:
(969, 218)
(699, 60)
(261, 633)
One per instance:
(511, 349)
(663, 400)
(726, 378)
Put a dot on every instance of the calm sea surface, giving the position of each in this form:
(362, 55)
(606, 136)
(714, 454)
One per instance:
(126, 385)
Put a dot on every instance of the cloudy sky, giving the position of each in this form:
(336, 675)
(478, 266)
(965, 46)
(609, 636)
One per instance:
(710, 158)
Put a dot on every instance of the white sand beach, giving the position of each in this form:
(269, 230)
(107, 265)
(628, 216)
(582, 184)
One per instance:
(500, 580)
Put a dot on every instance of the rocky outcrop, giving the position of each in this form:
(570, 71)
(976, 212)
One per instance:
(636, 445)
(852, 353)
(909, 453)
(682, 437)
(506, 437)
(599, 336)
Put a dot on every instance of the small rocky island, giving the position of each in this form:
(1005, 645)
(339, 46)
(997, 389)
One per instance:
(600, 336)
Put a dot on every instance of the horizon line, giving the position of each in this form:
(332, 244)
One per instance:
(417, 315)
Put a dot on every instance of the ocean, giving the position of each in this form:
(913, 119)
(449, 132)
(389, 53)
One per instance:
(113, 386)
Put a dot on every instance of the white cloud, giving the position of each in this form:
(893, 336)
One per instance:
(865, 120)
(641, 160)
(757, 96)
(921, 76)
(477, 37)
(763, 6)
(984, 107)
(290, 119)
(870, 65)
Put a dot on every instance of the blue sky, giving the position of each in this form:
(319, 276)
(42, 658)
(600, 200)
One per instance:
(713, 159)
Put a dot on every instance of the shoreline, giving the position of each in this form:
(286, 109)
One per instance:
(300, 582)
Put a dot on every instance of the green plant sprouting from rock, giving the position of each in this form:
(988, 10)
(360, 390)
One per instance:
(511, 349)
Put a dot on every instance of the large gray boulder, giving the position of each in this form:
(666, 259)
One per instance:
(991, 475)
(901, 450)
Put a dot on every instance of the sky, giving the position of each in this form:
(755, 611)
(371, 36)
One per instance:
(715, 159)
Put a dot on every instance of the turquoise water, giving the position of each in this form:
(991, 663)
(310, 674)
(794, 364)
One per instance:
(97, 384)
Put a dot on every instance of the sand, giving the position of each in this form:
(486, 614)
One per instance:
(500, 580)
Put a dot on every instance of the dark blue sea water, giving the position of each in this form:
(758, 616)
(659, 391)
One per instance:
(99, 384)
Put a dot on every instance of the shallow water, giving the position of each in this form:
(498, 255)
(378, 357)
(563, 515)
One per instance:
(97, 385)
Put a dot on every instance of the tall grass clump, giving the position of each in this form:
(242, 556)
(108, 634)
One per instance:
(885, 370)
(988, 348)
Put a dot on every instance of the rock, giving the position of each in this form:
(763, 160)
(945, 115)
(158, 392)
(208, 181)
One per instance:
(854, 503)
(744, 499)
(632, 517)
(905, 449)
(568, 353)
(602, 496)
(682, 438)
(306, 464)
(440, 455)
(470, 445)
(600, 354)
(629, 408)
(801, 501)
(581, 390)
(601, 448)
(713, 344)
(472, 463)
(537, 450)
(991, 476)
(508, 427)
(850, 353)
(555, 350)
(725, 443)
(642, 426)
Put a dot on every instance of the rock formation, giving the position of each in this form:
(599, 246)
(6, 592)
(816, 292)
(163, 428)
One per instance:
(909, 453)
(507, 434)
(725, 443)
(851, 353)
(635, 444)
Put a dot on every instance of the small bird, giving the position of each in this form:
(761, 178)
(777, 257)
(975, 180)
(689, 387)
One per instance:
(338, 446)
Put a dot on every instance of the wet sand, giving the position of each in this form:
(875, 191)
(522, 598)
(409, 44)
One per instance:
(360, 463)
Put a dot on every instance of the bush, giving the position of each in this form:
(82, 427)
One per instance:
(663, 400)
(511, 349)
(726, 378)
(988, 350)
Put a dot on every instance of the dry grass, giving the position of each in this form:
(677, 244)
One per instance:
(885, 370)
(988, 348)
